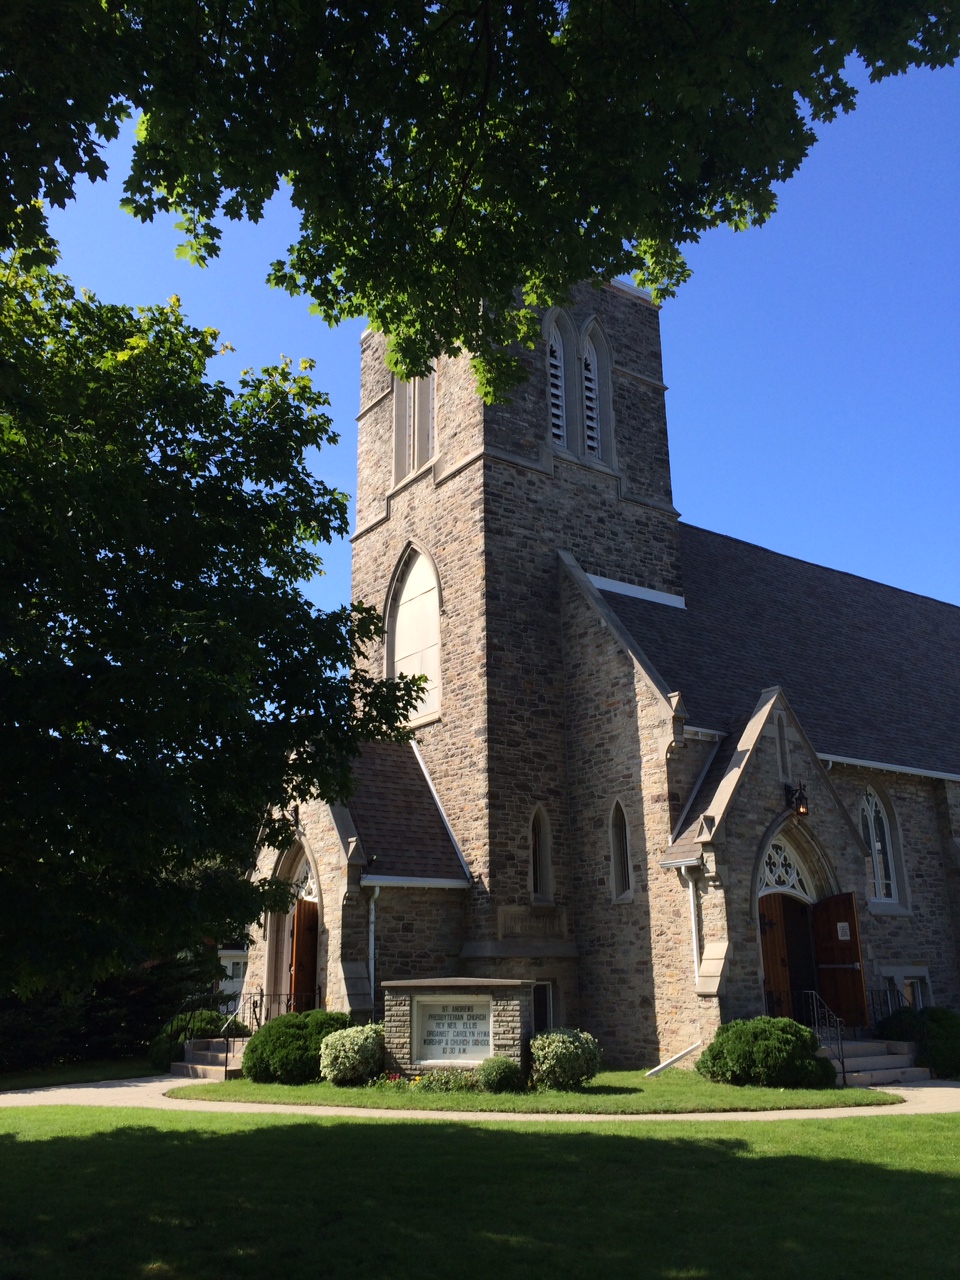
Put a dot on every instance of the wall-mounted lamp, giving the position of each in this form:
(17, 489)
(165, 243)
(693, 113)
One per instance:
(796, 799)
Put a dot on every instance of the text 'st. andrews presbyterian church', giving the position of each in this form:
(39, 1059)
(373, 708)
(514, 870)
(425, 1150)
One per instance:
(624, 715)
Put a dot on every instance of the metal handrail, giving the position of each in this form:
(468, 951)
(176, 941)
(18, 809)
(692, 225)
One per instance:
(826, 1025)
(258, 1007)
(884, 1001)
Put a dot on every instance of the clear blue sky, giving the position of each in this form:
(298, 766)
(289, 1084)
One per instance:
(813, 364)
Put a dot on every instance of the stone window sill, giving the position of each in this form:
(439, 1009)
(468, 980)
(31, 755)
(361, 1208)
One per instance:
(883, 907)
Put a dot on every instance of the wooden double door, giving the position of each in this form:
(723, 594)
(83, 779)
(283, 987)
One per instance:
(812, 947)
(303, 956)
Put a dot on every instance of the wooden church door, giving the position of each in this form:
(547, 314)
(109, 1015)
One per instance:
(836, 943)
(303, 962)
(787, 947)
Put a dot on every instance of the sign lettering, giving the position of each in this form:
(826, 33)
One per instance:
(452, 1032)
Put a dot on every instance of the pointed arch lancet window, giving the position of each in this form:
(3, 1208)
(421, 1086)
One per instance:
(620, 853)
(591, 400)
(413, 635)
(557, 392)
(414, 424)
(541, 877)
(876, 829)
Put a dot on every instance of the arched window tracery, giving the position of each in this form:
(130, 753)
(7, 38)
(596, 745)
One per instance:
(782, 871)
(877, 830)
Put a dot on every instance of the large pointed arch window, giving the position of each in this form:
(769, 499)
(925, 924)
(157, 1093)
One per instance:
(413, 630)
(877, 830)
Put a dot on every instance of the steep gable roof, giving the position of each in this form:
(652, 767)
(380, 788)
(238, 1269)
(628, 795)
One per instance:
(872, 672)
(402, 830)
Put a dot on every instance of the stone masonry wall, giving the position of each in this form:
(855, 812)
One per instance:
(419, 933)
(636, 965)
(925, 933)
(440, 510)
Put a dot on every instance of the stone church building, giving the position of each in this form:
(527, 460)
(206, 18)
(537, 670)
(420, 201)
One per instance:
(669, 777)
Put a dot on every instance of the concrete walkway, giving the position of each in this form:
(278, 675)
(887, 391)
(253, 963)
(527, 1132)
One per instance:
(930, 1098)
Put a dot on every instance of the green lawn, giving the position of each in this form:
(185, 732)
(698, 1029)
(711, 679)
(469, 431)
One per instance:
(76, 1073)
(91, 1193)
(611, 1093)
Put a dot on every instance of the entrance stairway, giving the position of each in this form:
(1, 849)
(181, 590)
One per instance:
(878, 1062)
(208, 1060)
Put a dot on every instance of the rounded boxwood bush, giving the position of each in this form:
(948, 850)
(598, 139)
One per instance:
(564, 1058)
(195, 1024)
(352, 1056)
(936, 1033)
(286, 1050)
(776, 1052)
(500, 1075)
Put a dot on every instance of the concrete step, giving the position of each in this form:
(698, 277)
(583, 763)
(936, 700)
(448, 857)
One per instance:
(902, 1075)
(202, 1059)
(865, 1048)
(203, 1071)
(889, 1062)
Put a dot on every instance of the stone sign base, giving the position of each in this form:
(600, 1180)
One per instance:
(431, 1023)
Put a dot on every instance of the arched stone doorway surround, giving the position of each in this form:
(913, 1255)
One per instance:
(294, 939)
(792, 874)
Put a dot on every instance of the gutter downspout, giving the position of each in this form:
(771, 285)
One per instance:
(688, 876)
(372, 928)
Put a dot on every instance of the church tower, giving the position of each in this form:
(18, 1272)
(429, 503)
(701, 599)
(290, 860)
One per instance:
(464, 512)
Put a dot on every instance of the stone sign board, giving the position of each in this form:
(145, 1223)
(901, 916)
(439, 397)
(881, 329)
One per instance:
(431, 1023)
(451, 1032)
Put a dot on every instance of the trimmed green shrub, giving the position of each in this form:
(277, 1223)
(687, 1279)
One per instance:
(942, 1047)
(775, 1052)
(564, 1058)
(936, 1033)
(323, 1022)
(286, 1050)
(500, 1075)
(195, 1024)
(282, 1052)
(354, 1055)
(447, 1080)
(903, 1024)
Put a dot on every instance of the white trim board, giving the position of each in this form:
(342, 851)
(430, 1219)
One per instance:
(888, 768)
(638, 593)
(411, 882)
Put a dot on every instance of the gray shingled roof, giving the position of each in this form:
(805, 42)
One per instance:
(402, 832)
(872, 672)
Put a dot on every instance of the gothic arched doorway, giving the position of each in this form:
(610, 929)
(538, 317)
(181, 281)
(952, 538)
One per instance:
(809, 938)
(296, 945)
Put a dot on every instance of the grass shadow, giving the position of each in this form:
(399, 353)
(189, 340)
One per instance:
(89, 1194)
